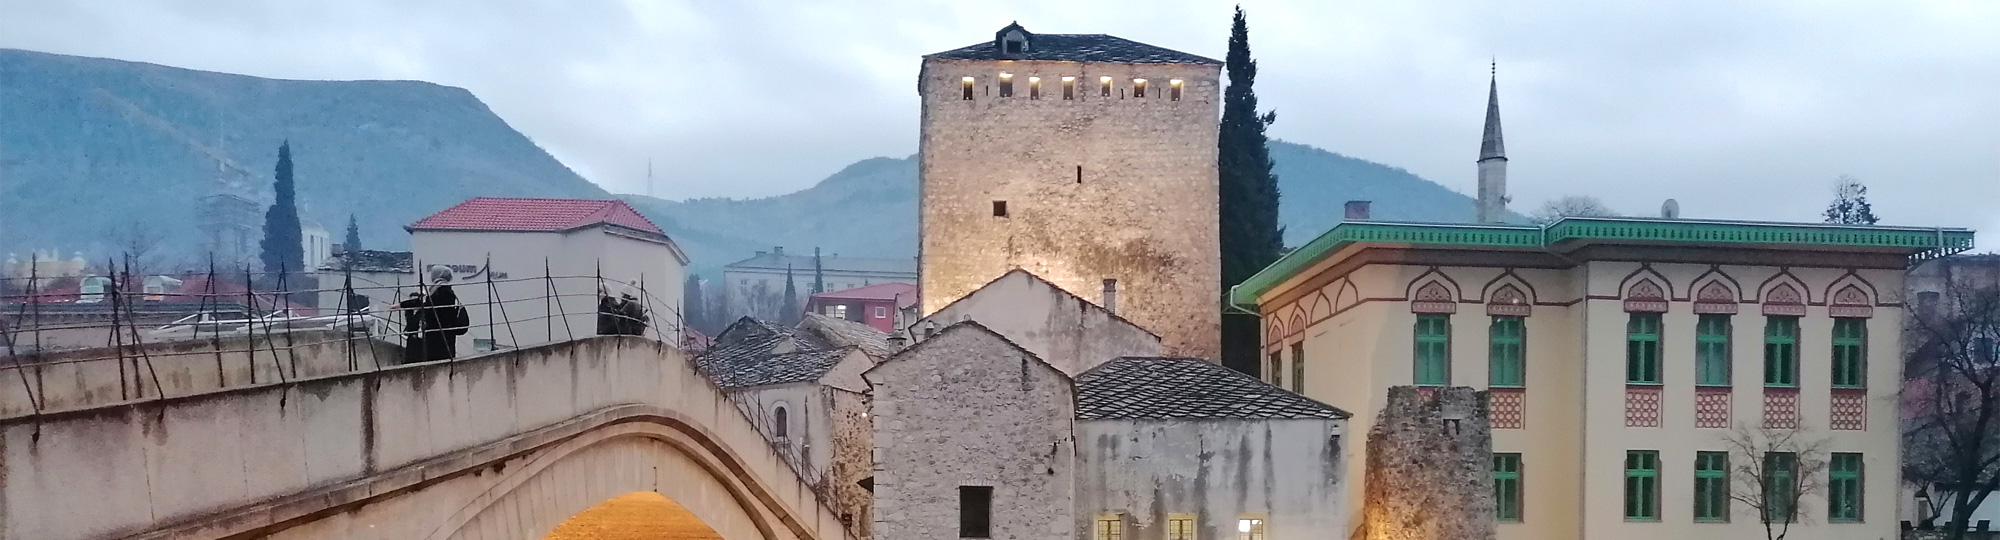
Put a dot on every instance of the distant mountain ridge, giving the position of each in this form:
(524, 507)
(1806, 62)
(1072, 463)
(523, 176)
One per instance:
(88, 145)
(869, 208)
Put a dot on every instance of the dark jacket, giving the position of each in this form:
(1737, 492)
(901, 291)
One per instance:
(443, 320)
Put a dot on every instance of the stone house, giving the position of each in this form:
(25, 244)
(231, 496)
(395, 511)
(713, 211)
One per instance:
(978, 437)
(802, 386)
(1063, 329)
(1087, 159)
(1617, 355)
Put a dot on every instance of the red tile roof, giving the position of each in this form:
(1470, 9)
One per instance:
(503, 214)
(905, 294)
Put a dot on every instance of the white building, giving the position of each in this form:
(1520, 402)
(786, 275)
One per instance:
(510, 254)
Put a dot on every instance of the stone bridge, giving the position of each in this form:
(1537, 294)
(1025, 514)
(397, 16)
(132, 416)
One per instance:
(500, 446)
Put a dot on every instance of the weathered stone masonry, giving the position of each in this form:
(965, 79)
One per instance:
(1095, 188)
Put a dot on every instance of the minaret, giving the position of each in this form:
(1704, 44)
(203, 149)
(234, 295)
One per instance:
(1492, 204)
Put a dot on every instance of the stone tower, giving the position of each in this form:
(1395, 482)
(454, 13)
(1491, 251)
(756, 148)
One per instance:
(1087, 159)
(1492, 160)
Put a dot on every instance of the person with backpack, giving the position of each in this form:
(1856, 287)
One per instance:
(442, 318)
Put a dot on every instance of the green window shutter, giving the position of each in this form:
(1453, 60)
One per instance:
(1642, 349)
(1850, 346)
(1506, 353)
(1507, 487)
(1781, 351)
(1780, 486)
(1433, 350)
(1843, 495)
(1711, 487)
(1299, 367)
(1711, 350)
(1642, 485)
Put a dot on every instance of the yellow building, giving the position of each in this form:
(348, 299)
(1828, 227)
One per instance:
(1620, 354)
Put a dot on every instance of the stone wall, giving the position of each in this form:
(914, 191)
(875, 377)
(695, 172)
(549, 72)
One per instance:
(1429, 472)
(1070, 333)
(852, 462)
(1285, 472)
(1095, 188)
(968, 408)
(85, 378)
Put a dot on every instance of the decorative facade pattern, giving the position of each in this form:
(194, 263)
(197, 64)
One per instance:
(1851, 302)
(1784, 300)
(1508, 301)
(1508, 407)
(1781, 408)
(1642, 406)
(1711, 407)
(1849, 409)
(1434, 297)
(1646, 297)
(1715, 298)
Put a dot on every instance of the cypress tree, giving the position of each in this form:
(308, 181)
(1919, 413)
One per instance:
(695, 314)
(791, 312)
(819, 274)
(353, 234)
(1248, 210)
(283, 246)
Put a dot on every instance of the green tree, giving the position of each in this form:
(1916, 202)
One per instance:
(283, 246)
(819, 274)
(1850, 203)
(1248, 207)
(695, 312)
(791, 313)
(353, 234)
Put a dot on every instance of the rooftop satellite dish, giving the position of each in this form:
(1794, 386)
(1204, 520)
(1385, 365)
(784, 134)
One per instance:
(1670, 209)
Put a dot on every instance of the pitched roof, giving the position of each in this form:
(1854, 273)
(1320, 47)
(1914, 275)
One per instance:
(1135, 388)
(737, 368)
(535, 215)
(904, 293)
(844, 333)
(1076, 48)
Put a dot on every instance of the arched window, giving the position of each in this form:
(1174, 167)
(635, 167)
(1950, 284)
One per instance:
(783, 426)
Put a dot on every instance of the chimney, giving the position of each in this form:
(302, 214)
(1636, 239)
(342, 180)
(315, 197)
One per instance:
(779, 251)
(1357, 210)
(1111, 295)
(897, 341)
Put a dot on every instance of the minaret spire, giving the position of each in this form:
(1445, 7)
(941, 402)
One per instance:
(1492, 204)
(1491, 146)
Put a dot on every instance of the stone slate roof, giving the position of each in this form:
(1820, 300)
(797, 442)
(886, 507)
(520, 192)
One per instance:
(1134, 388)
(1077, 48)
(844, 333)
(368, 260)
(743, 355)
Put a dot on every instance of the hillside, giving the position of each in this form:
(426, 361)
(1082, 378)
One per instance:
(89, 144)
(869, 209)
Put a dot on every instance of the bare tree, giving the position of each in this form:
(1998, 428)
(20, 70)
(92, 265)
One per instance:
(1772, 471)
(1572, 206)
(138, 243)
(1951, 426)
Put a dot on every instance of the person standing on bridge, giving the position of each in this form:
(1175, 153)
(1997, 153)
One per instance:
(443, 320)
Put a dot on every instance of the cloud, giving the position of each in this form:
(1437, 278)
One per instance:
(1738, 110)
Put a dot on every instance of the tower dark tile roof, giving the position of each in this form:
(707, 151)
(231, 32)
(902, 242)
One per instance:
(1142, 388)
(1072, 48)
(1490, 146)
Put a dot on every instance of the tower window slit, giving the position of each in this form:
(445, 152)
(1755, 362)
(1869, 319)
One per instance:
(1138, 88)
(1079, 174)
(965, 85)
(999, 208)
(1069, 88)
(1034, 88)
(1104, 86)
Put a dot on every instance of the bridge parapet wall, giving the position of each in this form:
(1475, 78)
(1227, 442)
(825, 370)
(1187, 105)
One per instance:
(86, 378)
(258, 459)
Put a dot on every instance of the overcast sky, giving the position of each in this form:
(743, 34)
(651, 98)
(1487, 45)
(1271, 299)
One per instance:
(1741, 110)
